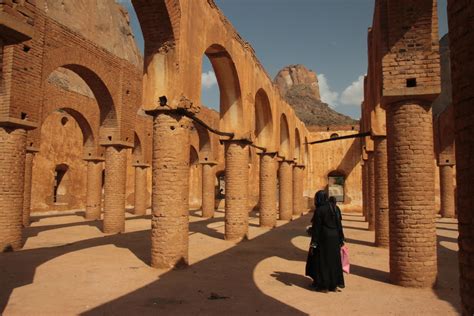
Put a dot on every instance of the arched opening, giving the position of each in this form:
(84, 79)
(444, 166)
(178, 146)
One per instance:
(60, 189)
(336, 182)
(263, 119)
(223, 76)
(195, 176)
(297, 152)
(83, 81)
(205, 150)
(137, 153)
(334, 135)
(284, 137)
(220, 194)
(66, 139)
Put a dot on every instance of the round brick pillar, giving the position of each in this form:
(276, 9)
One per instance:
(371, 191)
(298, 190)
(446, 184)
(114, 189)
(94, 189)
(170, 190)
(208, 189)
(411, 195)
(236, 190)
(365, 188)
(285, 176)
(381, 192)
(141, 198)
(268, 203)
(12, 177)
(27, 190)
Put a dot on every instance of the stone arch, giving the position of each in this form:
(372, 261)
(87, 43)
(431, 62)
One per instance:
(96, 83)
(284, 137)
(298, 152)
(160, 25)
(137, 152)
(89, 140)
(263, 119)
(205, 144)
(306, 152)
(193, 156)
(230, 107)
(337, 184)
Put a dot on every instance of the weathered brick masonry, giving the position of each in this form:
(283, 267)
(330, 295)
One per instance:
(403, 79)
(268, 203)
(461, 30)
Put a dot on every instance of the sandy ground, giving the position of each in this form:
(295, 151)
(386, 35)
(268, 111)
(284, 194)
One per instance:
(69, 267)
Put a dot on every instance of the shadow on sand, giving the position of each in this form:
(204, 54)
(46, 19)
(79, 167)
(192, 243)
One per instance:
(223, 283)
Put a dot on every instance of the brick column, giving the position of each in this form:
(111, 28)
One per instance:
(446, 185)
(12, 177)
(236, 189)
(141, 197)
(170, 192)
(298, 190)
(285, 176)
(114, 189)
(208, 189)
(268, 203)
(365, 188)
(30, 154)
(381, 192)
(411, 194)
(94, 188)
(461, 37)
(371, 190)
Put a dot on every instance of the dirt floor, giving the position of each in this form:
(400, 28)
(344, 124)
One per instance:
(69, 267)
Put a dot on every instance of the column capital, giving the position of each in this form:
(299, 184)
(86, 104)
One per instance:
(117, 143)
(32, 150)
(208, 162)
(244, 141)
(266, 153)
(141, 165)
(17, 123)
(300, 166)
(94, 159)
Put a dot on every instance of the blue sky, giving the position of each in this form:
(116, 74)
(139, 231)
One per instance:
(327, 36)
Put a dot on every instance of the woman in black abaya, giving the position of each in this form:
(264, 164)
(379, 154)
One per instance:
(324, 257)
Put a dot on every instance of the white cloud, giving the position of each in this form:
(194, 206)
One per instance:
(208, 79)
(354, 93)
(327, 95)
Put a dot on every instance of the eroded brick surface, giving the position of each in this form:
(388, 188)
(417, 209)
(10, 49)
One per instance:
(268, 178)
(12, 175)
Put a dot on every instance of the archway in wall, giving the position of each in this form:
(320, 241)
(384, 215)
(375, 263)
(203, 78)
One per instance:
(284, 137)
(223, 80)
(195, 182)
(58, 181)
(298, 150)
(84, 81)
(336, 185)
(263, 119)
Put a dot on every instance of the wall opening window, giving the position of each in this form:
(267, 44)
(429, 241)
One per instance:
(336, 182)
(334, 135)
(59, 190)
(220, 194)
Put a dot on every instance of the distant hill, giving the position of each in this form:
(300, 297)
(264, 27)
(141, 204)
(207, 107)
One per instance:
(300, 88)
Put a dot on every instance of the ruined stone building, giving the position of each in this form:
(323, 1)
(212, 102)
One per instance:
(87, 124)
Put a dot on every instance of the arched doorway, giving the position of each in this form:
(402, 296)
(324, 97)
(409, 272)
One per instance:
(336, 185)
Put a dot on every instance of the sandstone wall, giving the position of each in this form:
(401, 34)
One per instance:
(343, 156)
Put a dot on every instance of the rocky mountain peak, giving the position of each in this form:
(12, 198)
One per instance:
(300, 88)
(297, 75)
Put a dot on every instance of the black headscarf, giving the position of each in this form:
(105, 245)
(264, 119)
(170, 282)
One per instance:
(320, 198)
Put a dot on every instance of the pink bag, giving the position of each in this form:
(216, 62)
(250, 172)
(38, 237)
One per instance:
(345, 259)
